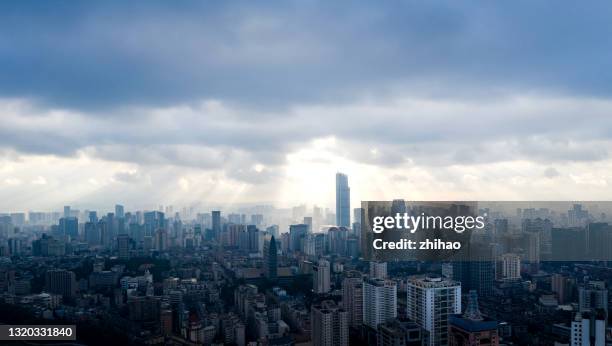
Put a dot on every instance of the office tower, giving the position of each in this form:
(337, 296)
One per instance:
(60, 281)
(471, 328)
(593, 295)
(588, 329)
(320, 277)
(216, 223)
(352, 297)
(379, 301)
(66, 211)
(343, 201)
(297, 235)
(400, 332)
(477, 270)
(123, 246)
(69, 226)
(153, 221)
(270, 259)
(92, 233)
(252, 238)
(430, 302)
(378, 270)
(511, 266)
(329, 324)
(119, 211)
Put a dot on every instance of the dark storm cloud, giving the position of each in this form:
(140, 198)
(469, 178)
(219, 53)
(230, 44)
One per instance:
(97, 56)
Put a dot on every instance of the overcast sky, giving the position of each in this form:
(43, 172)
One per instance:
(243, 102)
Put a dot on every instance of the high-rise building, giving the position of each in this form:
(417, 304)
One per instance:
(216, 223)
(60, 281)
(472, 328)
(476, 270)
(379, 301)
(297, 235)
(270, 259)
(511, 266)
(329, 324)
(119, 211)
(321, 277)
(588, 329)
(430, 302)
(352, 297)
(66, 211)
(378, 270)
(69, 226)
(343, 201)
(153, 220)
(252, 238)
(123, 246)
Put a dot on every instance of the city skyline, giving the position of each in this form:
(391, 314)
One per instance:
(306, 173)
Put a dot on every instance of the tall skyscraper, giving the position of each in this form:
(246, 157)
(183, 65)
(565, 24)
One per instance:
(343, 201)
(329, 324)
(430, 302)
(321, 277)
(379, 301)
(60, 281)
(297, 236)
(270, 259)
(477, 270)
(216, 223)
(69, 226)
(123, 246)
(352, 297)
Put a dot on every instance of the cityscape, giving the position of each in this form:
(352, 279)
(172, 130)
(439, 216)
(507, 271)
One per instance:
(188, 277)
(305, 173)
